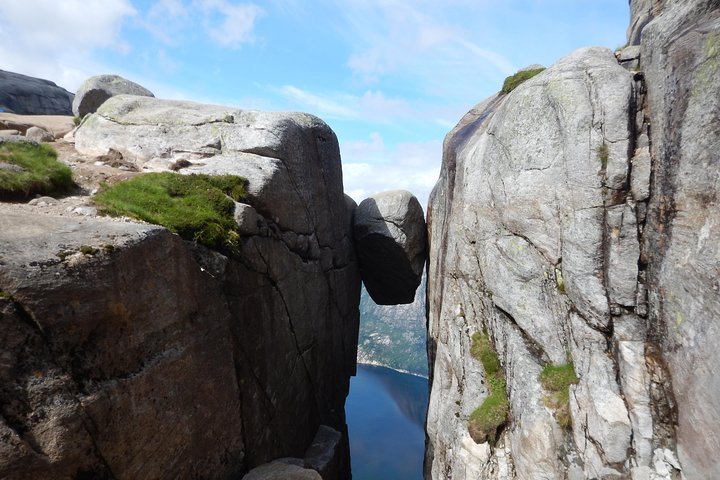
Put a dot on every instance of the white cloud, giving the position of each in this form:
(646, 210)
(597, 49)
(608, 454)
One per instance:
(54, 40)
(321, 105)
(370, 106)
(370, 167)
(235, 24)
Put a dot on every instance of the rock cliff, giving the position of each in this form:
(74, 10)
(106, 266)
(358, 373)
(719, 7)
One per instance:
(576, 222)
(130, 353)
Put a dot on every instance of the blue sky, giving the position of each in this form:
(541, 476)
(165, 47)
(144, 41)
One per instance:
(391, 77)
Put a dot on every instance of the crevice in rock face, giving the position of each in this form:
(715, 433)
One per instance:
(533, 347)
(47, 364)
(300, 351)
(662, 399)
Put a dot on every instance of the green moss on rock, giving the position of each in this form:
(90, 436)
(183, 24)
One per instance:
(512, 82)
(485, 421)
(556, 379)
(196, 207)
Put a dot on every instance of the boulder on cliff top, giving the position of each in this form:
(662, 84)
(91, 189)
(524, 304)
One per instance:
(390, 237)
(26, 95)
(95, 90)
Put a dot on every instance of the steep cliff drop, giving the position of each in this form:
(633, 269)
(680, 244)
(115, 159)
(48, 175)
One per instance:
(128, 352)
(574, 263)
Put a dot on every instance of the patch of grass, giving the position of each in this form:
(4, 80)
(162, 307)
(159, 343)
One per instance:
(196, 207)
(603, 153)
(493, 412)
(559, 281)
(556, 379)
(31, 169)
(4, 294)
(512, 82)
(483, 351)
(88, 250)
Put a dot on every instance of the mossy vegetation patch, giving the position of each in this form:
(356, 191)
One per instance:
(27, 169)
(603, 153)
(196, 207)
(512, 82)
(556, 379)
(486, 420)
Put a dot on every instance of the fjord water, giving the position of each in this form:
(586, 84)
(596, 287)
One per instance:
(386, 421)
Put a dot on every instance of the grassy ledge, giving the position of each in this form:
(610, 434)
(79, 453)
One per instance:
(27, 169)
(493, 412)
(197, 207)
(512, 82)
(556, 379)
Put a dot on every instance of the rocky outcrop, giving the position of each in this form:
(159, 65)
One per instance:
(572, 222)
(389, 231)
(95, 90)
(131, 353)
(25, 95)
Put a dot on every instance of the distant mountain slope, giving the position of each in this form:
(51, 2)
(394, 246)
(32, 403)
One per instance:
(394, 335)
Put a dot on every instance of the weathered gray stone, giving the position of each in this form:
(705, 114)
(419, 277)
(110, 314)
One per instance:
(531, 185)
(680, 56)
(247, 219)
(96, 90)
(282, 471)
(641, 169)
(39, 135)
(25, 95)
(389, 232)
(641, 13)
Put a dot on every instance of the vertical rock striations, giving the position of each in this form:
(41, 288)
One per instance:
(129, 353)
(680, 60)
(576, 221)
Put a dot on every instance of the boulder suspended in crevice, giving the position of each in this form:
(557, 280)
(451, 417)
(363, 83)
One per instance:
(390, 240)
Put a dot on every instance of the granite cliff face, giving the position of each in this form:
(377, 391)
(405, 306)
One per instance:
(576, 221)
(130, 353)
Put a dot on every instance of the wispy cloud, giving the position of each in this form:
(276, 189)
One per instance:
(415, 38)
(371, 166)
(55, 40)
(320, 105)
(228, 24)
(370, 106)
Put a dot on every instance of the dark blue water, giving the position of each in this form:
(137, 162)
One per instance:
(386, 420)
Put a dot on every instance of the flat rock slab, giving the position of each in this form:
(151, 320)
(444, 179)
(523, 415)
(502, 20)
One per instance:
(58, 125)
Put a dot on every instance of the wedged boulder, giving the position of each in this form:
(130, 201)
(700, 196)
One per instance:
(95, 90)
(390, 240)
(26, 95)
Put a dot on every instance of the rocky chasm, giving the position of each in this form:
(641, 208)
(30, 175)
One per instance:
(574, 228)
